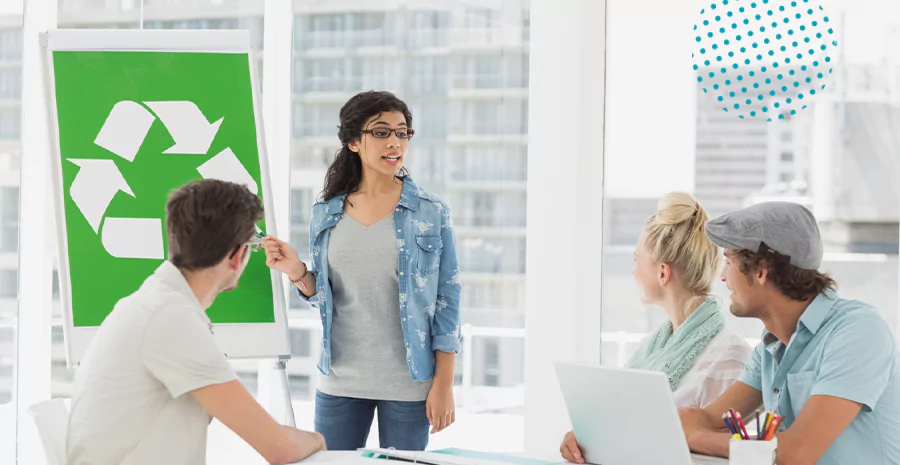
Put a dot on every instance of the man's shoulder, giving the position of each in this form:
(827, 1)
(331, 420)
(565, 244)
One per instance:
(153, 298)
(854, 307)
(859, 324)
(849, 312)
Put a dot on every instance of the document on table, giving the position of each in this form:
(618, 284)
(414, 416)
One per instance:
(455, 457)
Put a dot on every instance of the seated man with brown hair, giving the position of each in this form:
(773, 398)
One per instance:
(828, 365)
(153, 375)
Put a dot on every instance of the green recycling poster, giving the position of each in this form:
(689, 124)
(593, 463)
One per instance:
(132, 127)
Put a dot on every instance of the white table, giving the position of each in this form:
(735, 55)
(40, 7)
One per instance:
(337, 457)
(334, 456)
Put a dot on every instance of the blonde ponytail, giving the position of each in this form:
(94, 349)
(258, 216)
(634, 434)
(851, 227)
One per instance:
(675, 235)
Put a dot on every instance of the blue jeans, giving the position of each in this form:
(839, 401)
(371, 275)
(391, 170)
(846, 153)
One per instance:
(345, 422)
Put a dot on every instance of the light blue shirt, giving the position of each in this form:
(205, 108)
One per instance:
(842, 348)
(428, 274)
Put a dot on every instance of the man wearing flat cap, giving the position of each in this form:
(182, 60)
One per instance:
(827, 365)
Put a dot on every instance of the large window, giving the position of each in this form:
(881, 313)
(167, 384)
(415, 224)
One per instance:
(318, 120)
(9, 219)
(157, 14)
(837, 157)
(10, 82)
(428, 75)
(489, 208)
(10, 123)
(491, 162)
(10, 152)
(469, 109)
(321, 75)
(463, 69)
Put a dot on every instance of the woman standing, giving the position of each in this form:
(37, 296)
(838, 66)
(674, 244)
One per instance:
(385, 280)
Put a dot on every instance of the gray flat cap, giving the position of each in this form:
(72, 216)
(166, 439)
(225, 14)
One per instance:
(787, 230)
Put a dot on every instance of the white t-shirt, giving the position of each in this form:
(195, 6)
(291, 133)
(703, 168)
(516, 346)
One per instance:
(132, 402)
(714, 371)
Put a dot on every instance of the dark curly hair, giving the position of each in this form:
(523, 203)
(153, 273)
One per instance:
(796, 283)
(345, 172)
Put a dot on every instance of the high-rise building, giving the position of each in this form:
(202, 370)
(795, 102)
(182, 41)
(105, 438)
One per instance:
(736, 157)
(10, 158)
(463, 70)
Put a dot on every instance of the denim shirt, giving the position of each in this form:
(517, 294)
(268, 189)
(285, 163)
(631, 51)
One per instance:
(428, 270)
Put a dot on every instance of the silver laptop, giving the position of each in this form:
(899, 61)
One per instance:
(625, 417)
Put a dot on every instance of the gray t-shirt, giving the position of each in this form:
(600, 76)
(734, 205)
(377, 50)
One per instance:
(368, 355)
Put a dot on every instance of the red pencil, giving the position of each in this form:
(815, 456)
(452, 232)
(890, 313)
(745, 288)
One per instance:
(741, 423)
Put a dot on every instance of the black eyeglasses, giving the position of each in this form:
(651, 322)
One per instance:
(384, 133)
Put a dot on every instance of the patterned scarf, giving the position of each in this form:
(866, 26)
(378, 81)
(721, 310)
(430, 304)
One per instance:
(675, 354)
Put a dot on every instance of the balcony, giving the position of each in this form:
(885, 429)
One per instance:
(470, 128)
(432, 84)
(340, 84)
(488, 81)
(315, 160)
(323, 40)
(317, 40)
(490, 173)
(481, 37)
(424, 38)
(316, 130)
(11, 55)
(371, 38)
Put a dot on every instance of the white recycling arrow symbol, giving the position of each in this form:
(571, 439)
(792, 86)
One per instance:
(94, 187)
(99, 180)
(192, 133)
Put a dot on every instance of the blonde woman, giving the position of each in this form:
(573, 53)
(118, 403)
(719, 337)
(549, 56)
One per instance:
(675, 266)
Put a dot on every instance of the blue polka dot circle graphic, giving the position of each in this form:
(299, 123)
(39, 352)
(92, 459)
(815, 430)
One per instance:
(764, 58)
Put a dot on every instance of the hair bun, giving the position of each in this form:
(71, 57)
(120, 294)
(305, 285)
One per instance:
(677, 208)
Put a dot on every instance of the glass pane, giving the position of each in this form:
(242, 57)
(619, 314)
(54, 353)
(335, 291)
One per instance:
(10, 156)
(839, 157)
(224, 446)
(469, 110)
(99, 14)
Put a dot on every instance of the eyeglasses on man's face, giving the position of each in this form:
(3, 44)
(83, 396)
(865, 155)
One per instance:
(384, 133)
(256, 241)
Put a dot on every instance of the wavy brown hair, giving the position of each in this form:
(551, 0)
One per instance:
(345, 173)
(796, 283)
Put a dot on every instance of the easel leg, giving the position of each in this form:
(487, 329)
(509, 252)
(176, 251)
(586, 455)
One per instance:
(281, 365)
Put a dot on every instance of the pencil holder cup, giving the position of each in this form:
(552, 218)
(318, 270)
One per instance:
(752, 452)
